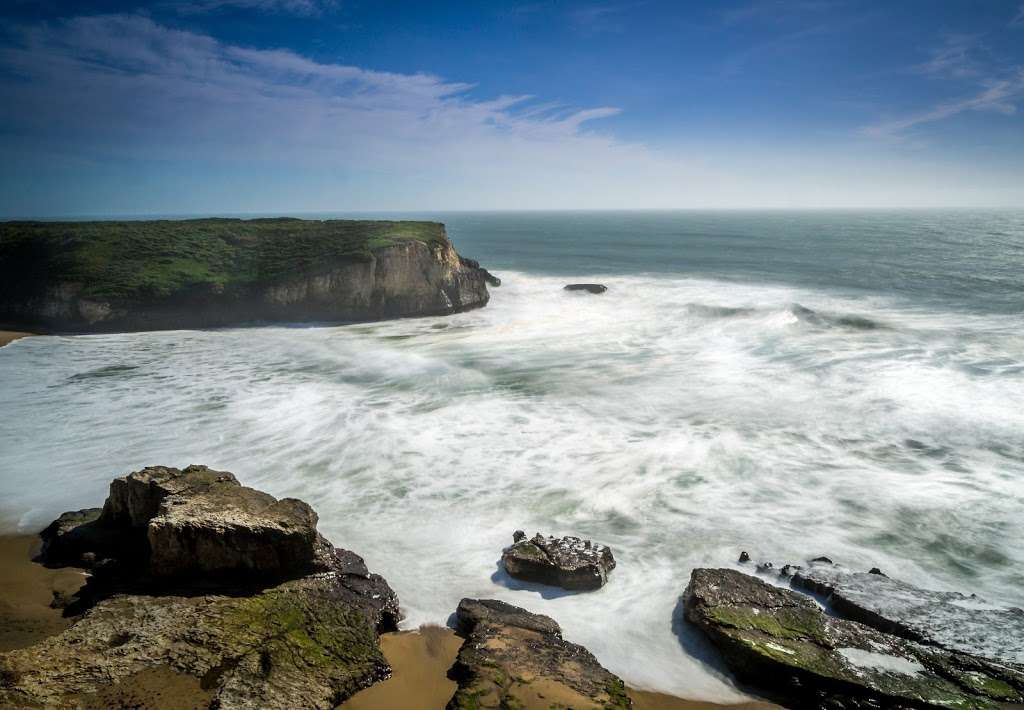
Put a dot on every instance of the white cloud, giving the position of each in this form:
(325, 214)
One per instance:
(147, 118)
(308, 8)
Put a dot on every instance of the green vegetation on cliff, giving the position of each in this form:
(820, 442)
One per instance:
(123, 261)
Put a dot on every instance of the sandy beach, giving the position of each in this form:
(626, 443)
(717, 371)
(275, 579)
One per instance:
(9, 336)
(26, 591)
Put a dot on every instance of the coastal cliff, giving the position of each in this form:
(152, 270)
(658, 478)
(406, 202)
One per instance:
(122, 276)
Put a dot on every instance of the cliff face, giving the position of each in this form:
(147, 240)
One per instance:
(400, 279)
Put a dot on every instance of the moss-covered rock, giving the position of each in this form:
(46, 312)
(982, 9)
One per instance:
(514, 659)
(783, 641)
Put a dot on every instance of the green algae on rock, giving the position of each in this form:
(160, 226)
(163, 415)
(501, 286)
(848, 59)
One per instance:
(782, 640)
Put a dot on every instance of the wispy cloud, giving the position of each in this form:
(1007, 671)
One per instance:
(961, 61)
(998, 96)
(123, 87)
(776, 11)
(953, 59)
(603, 17)
(305, 8)
(1018, 19)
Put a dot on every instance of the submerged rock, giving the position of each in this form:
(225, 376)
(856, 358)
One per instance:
(947, 619)
(567, 562)
(781, 639)
(215, 581)
(512, 658)
(589, 288)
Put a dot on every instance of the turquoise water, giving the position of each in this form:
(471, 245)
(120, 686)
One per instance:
(791, 384)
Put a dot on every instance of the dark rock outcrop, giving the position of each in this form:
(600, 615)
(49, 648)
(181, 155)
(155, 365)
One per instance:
(782, 640)
(589, 288)
(567, 562)
(198, 575)
(947, 619)
(512, 658)
(488, 277)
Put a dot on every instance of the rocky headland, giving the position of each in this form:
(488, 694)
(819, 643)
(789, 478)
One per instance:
(124, 276)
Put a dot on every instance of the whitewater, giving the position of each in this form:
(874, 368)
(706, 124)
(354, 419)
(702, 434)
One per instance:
(679, 418)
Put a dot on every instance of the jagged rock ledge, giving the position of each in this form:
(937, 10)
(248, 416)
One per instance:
(194, 574)
(125, 276)
(782, 641)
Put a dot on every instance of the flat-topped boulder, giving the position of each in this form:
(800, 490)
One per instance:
(191, 522)
(952, 620)
(587, 288)
(512, 658)
(199, 577)
(783, 641)
(568, 562)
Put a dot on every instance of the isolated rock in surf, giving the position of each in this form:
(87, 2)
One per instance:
(589, 288)
(567, 562)
(512, 658)
(781, 640)
(239, 592)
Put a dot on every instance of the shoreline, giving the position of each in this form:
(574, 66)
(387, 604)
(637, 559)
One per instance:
(9, 336)
(27, 590)
(420, 658)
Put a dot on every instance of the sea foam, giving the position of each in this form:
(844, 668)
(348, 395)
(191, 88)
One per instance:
(677, 420)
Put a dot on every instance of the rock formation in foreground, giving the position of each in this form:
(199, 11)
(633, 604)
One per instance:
(567, 562)
(782, 640)
(198, 576)
(121, 276)
(512, 658)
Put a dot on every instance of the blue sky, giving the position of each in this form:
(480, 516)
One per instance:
(216, 106)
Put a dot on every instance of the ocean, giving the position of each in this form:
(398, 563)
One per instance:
(792, 384)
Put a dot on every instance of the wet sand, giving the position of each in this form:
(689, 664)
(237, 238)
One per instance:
(26, 591)
(9, 336)
(420, 661)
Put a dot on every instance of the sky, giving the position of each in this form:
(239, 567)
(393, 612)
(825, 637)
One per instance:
(115, 107)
